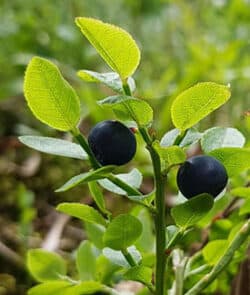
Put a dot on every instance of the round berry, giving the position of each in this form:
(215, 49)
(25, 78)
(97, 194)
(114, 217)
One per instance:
(112, 143)
(201, 174)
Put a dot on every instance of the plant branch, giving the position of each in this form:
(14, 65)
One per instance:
(223, 262)
(129, 258)
(160, 180)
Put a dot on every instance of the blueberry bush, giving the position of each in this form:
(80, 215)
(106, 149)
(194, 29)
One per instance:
(149, 244)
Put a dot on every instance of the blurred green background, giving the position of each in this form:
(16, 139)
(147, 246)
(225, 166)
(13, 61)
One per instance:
(182, 43)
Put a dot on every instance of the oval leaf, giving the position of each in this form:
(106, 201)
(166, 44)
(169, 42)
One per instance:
(129, 108)
(242, 192)
(122, 232)
(51, 288)
(214, 250)
(189, 213)
(117, 258)
(235, 160)
(45, 266)
(114, 44)
(169, 156)
(86, 177)
(51, 99)
(219, 137)
(81, 211)
(197, 102)
(54, 146)
(111, 80)
(133, 178)
(86, 261)
(140, 274)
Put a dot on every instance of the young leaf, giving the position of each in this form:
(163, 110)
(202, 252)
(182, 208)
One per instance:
(219, 137)
(97, 195)
(214, 250)
(54, 146)
(86, 177)
(51, 99)
(122, 232)
(51, 288)
(170, 156)
(235, 160)
(242, 192)
(111, 80)
(189, 213)
(245, 208)
(95, 233)
(114, 44)
(117, 258)
(133, 178)
(81, 211)
(140, 274)
(197, 102)
(66, 288)
(130, 108)
(86, 261)
(45, 266)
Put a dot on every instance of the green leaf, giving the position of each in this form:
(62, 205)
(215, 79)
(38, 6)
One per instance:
(81, 211)
(189, 213)
(235, 160)
(122, 232)
(86, 261)
(242, 192)
(197, 102)
(214, 250)
(146, 241)
(51, 99)
(133, 178)
(86, 177)
(111, 80)
(95, 233)
(143, 199)
(54, 146)
(114, 44)
(45, 266)
(245, 208)
(66, 288)
(191, 137)
(170, 156)
(117, 258)
(219, 137)
(129, 108)
(97, 195)
(84, 288)
(140, 274)
(51, 288)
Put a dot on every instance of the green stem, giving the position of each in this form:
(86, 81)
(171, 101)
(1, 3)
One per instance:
(131, 191)
(160, 180)
(126, 88)
(179, 276)
(83, 142)
(129, 258)
(174, 239)
(223, 262)
(198, 270)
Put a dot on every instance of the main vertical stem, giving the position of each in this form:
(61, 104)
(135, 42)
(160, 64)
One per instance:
(159, 216)
(159, 226)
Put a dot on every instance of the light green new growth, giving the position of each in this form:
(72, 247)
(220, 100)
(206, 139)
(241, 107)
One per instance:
(197, 102)
(114, 44)
(50, 97)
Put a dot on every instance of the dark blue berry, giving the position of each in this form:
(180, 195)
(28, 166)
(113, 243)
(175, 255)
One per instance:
(112, 143)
